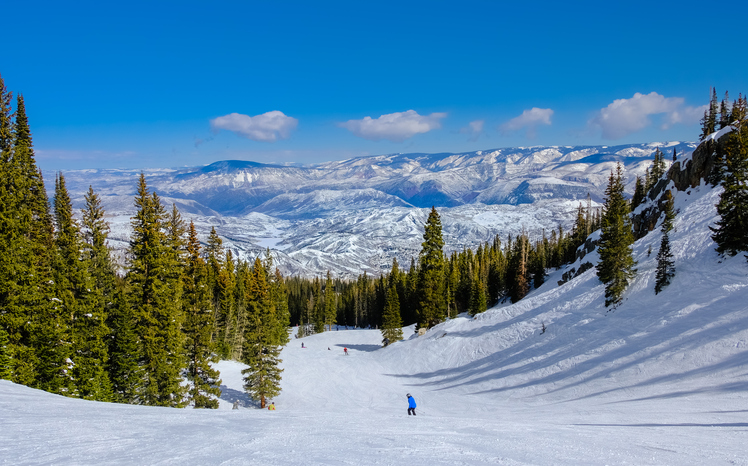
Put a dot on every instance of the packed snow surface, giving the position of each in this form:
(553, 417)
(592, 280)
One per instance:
(660, 380)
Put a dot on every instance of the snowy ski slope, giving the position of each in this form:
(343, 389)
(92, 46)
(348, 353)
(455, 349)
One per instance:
(661, 380)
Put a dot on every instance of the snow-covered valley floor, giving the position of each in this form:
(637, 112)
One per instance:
(661, 380)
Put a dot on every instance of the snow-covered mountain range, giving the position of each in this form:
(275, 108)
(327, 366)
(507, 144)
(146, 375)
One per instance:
(357, 215)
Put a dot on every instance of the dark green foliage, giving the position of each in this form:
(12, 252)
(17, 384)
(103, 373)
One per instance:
(616, 266)
(330, 311)
(44, 357)
(125, 372)
(5, 371)
(82, 301)
(658, 169)
(279, 296)
(709, 122)
(155, 294)
(665, 264)
(478, 297)
(261, 352)
(198, 329)
(639, 194)
(519, 269)
(392, 323)
(432, 304)
(731, 232)
(724, 112)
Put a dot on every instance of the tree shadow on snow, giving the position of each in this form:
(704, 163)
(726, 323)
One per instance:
(230, 395)
(683, 424)
(364, 348)
(579, 354)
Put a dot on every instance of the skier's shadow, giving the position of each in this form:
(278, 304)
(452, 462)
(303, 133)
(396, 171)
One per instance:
(232, 396)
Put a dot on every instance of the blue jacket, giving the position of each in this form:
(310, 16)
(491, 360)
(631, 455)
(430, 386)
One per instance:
(411, 402)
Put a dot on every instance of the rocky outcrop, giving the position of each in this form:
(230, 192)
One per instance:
(684, 175)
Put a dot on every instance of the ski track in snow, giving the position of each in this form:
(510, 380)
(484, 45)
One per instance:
(661, 380)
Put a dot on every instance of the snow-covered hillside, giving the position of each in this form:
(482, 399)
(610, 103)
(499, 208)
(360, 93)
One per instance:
(661, 380)
(356, 215)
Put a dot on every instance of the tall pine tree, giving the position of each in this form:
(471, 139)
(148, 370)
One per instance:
(616, 266)
(261, 352)
(198, 329)
(81, 301)
(731, 232)
(665, 264)
(430, 292)
(155, 299)
(392, 323)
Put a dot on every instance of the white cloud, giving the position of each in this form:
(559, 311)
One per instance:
(529, 119)
(626, 116)
(474, 129)
(686, 116)
(268, 127)
(395, 127)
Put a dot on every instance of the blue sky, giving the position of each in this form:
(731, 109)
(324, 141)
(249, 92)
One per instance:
(167, 84)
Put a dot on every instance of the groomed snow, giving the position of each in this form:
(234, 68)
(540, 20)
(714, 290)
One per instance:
(661, 380)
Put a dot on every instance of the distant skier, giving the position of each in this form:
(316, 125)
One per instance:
(271, 407)
(302, 345)
(345, 350)
(411, 405)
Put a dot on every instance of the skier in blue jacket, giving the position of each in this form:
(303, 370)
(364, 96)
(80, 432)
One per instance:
(411, 405)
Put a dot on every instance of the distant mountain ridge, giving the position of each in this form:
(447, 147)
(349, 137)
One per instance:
(355, 215)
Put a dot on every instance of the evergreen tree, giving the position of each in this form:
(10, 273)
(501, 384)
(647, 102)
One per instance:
(125, 372)
(198, 329)
(392, 323)
(280, 300)
(95, 234)
(731, 232)
(496, 271)
(155, 299)
(81, 300)
(639, 194)
(616, 266)
(330, 306)
(5, 372)
(224, 314)
(711, 123)
(319, 307)
(261, 353)
(45, 363)
(15, 252)
(478, 297)
(724, 112)
(519, 269)
(665, 265)
(432, 303)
